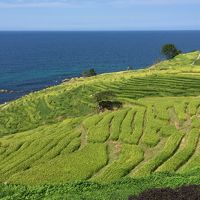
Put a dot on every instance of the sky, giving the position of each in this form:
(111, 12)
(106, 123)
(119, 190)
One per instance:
(84, 15)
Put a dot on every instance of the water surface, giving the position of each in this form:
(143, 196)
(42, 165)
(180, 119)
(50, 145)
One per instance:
(31, 61)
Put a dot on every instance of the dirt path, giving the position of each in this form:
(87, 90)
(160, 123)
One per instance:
(198, 58)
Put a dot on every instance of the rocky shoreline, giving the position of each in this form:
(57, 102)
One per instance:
(2, 91)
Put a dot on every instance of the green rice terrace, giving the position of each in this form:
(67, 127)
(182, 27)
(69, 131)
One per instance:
(55, 144)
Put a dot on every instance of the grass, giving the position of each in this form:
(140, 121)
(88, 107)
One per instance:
(138, 125)
(115, 128)
(78, 166)
(100, 132)
(183, 154)
(168, 150)
(58, 136)
(152, 126)
(119, 190)
(130, 157)
(127, 127)
(45, 108)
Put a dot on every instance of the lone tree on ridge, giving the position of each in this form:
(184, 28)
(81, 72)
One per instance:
(170, 51)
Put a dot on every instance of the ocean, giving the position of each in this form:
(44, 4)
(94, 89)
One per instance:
(30, 61)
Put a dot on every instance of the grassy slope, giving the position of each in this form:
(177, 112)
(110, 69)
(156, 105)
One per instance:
(119, 190)
(57, 136)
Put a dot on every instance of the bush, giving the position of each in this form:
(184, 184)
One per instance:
(90, 72)
(109, 105)
(105, 95)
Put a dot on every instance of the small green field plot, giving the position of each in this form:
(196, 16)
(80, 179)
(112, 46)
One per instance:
(127, 127)
(44, 108)
(115, 128)
(130, 157)
(101, 131)
(184, 153)
(61, 136)
(77, 166)
(167, 151)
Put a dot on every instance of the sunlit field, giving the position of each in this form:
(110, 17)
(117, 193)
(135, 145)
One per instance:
(56, 140)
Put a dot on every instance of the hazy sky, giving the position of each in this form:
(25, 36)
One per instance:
(99, 14)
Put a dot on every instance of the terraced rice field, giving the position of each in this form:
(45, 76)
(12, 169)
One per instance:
(57, 135)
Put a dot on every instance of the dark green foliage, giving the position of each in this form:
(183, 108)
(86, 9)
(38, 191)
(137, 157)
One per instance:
(170, 51)
(119, 190)
(109, 105)
(184, 192)
(104, 95)
(90, 72)
(105, 100)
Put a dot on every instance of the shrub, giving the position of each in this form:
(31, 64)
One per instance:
(105, 95)
(89, 73)
(109, 105)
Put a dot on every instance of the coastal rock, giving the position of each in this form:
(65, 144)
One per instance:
(66, 80)
(2, 91)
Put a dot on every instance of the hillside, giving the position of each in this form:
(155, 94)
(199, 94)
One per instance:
(58, 136)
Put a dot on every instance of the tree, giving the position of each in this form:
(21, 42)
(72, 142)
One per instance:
(170, 51)
(90, 72)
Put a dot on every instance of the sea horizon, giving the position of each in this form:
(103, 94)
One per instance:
(145, 30)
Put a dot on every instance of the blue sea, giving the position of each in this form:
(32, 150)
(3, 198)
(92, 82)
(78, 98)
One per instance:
(30, 61)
